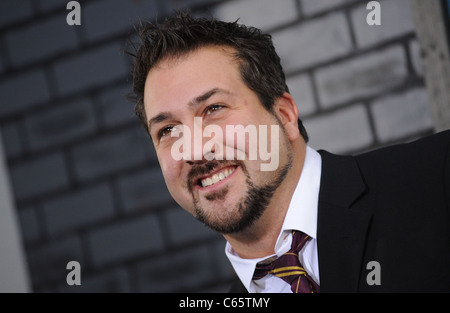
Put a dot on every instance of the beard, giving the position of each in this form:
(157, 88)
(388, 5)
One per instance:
(249, 208)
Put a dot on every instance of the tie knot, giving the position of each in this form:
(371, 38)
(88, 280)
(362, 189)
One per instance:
(299, 240)
(289, 259)
(288, 267)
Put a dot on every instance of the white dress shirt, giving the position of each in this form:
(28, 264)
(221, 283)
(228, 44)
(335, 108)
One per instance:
(301, 216)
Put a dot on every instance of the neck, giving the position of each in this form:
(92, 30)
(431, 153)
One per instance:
(259, 240)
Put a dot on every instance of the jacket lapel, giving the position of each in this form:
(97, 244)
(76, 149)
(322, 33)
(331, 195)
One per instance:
(342, 224)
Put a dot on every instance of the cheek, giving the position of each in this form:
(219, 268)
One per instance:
(170, 170)
(245, 136)
(175, 181)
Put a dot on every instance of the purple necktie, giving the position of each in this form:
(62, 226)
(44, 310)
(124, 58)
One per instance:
(288, 267)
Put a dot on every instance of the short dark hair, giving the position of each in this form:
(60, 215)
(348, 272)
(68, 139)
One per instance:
(182, 33)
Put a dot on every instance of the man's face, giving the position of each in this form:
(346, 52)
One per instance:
(197, 90)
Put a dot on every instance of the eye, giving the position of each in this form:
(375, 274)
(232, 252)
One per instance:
(212, 108)
(165, 131)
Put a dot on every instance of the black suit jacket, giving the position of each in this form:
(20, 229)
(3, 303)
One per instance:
(391, 206)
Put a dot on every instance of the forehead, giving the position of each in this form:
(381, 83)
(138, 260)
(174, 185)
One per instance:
(176, 81)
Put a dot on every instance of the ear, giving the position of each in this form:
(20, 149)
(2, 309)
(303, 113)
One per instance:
(286, 110)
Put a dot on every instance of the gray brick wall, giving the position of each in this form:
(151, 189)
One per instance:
(78, 209)
(72, 120)
(86, 180)
(45, 39)
(128, 239)
(89, 69)
(22, 91)
(39, 175)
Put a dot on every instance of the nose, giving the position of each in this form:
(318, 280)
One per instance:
(203, 146)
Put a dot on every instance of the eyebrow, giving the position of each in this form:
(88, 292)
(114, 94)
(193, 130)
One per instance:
(161, 117)
(207, 95)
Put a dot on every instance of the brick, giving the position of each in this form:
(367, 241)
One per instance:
(113, 107)
(29, 224)
(218, 287)
(363, 76)
(90, 69)
(39, 175)
(12, 143)
(184, 228)
(177, 272)
(396, 20)
(343, 131)
(143, 190)
(403, 114)
(263, 14)
(78, 209)
(169, 6)
(47, 263)
(300, 46)
(124, 240)
(310, 7)
(301, 90)
(109, 17)
(108, 154)
(224, 268)
(23, 91)
(60, 124)
(48, 5)
(416, 57)
(41, 40)
(114, 281)
(14, 11)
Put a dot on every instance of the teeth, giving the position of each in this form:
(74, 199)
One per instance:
(217, 177)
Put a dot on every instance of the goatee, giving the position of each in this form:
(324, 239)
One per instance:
(250, 207)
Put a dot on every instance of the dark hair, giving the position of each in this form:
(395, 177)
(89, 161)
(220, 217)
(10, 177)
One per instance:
(181, 33)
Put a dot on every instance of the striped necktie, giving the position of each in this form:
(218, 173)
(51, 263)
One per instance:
(288, 267)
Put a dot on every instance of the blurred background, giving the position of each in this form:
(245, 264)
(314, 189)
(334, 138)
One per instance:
(79, 180)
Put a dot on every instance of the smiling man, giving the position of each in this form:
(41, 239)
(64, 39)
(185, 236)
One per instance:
(227, 195)
(313, 222)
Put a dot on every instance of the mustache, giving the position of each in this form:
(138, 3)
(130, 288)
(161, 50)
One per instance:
(200, 169)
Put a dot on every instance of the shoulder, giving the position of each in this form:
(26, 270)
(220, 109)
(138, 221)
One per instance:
(439, 142)
(426, 155)
(418, 171)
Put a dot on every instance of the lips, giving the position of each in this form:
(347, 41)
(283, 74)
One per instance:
(206, 175)
(216, 177)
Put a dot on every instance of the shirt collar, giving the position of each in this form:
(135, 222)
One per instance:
(301, 215)
(302, 211)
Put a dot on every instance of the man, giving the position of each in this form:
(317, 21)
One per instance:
(316, 222)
